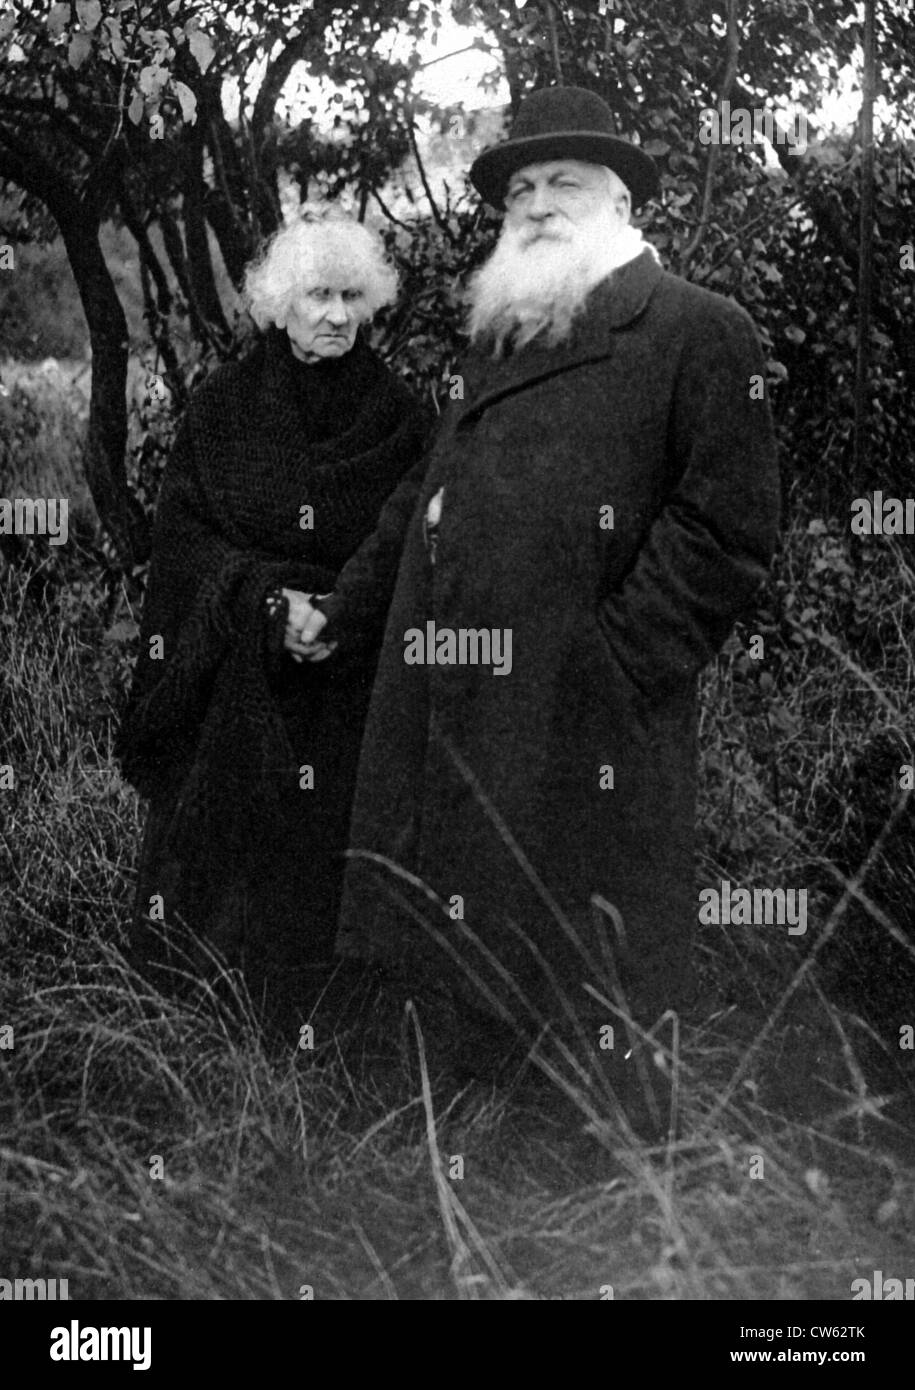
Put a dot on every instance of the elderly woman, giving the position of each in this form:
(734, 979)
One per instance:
(243, 737)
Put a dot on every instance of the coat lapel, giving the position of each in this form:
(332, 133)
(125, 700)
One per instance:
(612, 305)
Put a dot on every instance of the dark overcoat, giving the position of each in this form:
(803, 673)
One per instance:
(516, 797)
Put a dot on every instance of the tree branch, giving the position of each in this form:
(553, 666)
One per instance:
(865, 240)
(222, 208)
(436, 212)
(57, 118)
(554, 43)
(388, 213)
(199, 260)
(732, 52)
(158, 305)
(274, 81)
(174, 249)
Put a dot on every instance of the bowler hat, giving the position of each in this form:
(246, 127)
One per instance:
(563, 123)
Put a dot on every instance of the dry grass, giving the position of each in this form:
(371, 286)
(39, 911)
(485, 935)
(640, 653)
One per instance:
(333, 1168)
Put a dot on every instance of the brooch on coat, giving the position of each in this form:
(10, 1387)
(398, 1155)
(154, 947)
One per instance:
(430, 523)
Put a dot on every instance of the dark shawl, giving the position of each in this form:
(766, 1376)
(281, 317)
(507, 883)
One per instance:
(261, 439)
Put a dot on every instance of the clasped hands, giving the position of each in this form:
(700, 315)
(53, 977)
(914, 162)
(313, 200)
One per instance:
(303, 625)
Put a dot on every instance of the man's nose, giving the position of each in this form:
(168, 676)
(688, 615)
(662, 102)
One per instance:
(542, 203)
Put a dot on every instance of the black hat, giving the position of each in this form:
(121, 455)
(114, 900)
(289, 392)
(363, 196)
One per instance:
(563, 123)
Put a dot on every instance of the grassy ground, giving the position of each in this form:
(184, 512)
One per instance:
(335, 1169)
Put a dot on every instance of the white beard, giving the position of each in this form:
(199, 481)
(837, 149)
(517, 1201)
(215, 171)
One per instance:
(527, 289)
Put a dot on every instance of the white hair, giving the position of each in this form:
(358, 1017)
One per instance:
(309, 253)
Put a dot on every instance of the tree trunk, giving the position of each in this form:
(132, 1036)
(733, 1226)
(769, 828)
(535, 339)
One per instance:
(226, 205)
(103, 457)
(865, 245)
(106, 443)
(199, 260)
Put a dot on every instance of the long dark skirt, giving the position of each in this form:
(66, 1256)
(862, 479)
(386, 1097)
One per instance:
(274, 920)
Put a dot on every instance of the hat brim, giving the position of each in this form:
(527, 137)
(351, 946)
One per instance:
(491, 170)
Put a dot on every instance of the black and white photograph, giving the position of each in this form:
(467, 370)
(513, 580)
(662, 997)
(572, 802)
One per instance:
(457, 665)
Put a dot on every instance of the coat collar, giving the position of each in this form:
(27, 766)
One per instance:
(612, 305)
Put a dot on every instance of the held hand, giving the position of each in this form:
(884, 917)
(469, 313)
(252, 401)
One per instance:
(319, 651)
(303, 625)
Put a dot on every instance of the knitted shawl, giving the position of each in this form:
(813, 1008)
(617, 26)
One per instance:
(262, 440)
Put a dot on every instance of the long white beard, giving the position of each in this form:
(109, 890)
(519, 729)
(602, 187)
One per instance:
(525, 290)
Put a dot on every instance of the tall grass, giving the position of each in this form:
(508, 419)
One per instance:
(284, 1169)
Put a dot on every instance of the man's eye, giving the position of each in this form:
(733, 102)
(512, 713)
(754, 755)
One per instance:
(319, 294)
(353, 294)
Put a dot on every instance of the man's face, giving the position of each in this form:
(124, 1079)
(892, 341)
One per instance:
(323, 319)
(547, 202)
(564, 220)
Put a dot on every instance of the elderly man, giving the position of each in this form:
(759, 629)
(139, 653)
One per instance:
(601, 504)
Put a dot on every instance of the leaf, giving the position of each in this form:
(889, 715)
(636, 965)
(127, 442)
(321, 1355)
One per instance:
(90, 14)
(79, 50)
(656, 147)
(58, 20)
(188, 102)
(152, 79)
(201, 46)
(795, 334)
(7, 23)
(114, 38)
(136, 108)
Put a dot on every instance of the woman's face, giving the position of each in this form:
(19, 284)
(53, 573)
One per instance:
(322, 319)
